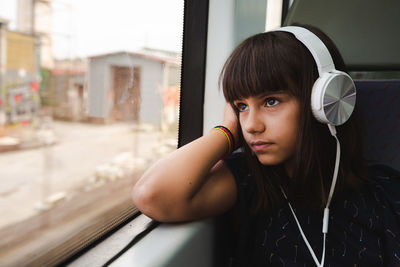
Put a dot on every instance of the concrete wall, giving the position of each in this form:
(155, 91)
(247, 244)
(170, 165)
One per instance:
(100, 85)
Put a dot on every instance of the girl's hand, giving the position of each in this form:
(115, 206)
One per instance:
(231, 121)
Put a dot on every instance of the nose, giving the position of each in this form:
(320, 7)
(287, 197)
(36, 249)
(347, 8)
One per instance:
(253, 123)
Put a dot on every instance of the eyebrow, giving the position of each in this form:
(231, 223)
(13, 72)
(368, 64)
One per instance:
(268, 93)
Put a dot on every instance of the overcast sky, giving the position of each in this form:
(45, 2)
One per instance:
(91, 27)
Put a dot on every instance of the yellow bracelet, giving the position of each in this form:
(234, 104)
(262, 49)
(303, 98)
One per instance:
(229, 140)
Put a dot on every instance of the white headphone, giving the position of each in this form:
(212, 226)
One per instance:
(333, 95)
(333, 98)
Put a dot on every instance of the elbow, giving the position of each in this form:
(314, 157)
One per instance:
(142, 199)
(159, 206)
(146, 201)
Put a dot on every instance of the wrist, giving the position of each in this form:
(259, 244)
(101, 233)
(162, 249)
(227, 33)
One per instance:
(229, 137)
(233, 127)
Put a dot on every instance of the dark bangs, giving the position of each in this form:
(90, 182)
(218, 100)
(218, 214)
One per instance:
(261, 64)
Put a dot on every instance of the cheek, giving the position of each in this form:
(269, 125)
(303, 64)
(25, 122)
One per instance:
(241, 125)
(242, 118)
(245, 135)
(291, 139)
(292, 127)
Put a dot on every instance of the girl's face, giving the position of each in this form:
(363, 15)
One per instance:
(270, 125)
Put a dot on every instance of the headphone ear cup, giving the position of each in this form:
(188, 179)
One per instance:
(316, 100)
(333, 98)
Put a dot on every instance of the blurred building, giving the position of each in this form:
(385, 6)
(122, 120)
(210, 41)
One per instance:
(22, 54)
(64, 87)
(133, 87)
(19, 82)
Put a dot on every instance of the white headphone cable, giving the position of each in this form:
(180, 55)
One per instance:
(325, 220)
(332, 129)
(302, 233)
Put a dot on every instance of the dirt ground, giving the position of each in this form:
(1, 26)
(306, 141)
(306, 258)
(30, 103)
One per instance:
(29, 239)
(52, 199)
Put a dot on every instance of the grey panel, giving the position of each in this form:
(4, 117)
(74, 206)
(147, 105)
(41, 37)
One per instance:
(366, 32)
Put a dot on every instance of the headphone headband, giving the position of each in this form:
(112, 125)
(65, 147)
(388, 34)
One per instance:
(317, 48)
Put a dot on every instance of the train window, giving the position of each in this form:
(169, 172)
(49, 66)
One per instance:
(89, 97)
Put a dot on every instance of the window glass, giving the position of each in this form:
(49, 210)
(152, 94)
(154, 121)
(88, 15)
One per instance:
(89, 98)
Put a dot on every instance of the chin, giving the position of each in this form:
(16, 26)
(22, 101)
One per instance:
(268, 160)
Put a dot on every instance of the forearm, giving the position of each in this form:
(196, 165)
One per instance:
(173, 181)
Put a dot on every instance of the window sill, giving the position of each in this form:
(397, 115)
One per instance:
(184, 244)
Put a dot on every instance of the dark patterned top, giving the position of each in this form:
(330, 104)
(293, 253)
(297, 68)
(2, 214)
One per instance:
(364, 226)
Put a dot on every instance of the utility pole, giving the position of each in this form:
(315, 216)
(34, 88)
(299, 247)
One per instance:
(3, 26)
(33, 17)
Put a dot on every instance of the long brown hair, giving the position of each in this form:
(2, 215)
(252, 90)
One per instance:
(278, 61)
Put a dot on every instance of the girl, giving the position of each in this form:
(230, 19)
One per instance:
(280, 183)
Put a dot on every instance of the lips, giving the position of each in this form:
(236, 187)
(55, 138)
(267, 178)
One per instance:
(260, 145)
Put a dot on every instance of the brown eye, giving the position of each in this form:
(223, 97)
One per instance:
(271, 102)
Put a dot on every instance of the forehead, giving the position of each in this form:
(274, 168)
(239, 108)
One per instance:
(267, 94)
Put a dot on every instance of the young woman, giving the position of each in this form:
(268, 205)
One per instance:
(280, 183)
